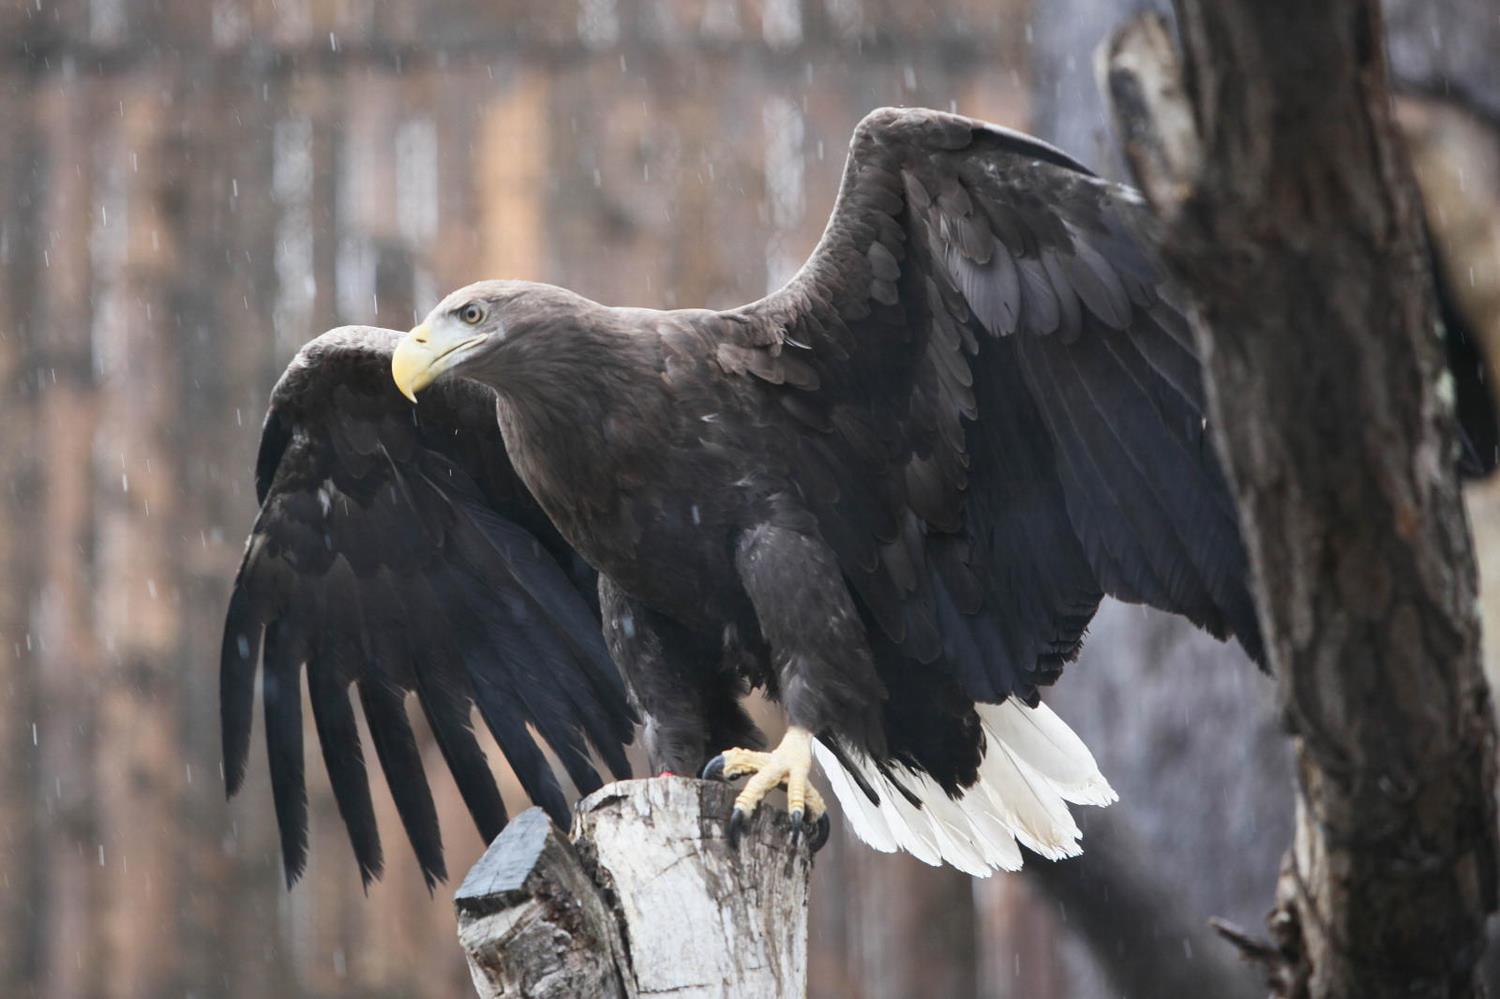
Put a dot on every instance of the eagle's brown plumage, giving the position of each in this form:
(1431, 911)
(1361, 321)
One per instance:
(896, 487)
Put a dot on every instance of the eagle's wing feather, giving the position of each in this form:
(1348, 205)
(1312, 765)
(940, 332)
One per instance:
(997, 414)
(397, 552)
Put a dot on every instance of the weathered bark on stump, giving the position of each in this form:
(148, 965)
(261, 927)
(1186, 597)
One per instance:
(1292, 222)
(645, 898)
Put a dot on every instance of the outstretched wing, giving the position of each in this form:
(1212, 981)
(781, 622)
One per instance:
(995, 412)
(396, 551)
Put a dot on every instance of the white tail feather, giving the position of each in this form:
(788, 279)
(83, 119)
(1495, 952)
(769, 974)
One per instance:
(1037, 736)
(1033, 765)
(909, 825)
(1027, 804)
(863, 813)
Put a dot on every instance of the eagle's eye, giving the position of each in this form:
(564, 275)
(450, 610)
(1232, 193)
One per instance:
(471, 313)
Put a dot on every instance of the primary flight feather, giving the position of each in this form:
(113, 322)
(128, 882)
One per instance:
(891, 494)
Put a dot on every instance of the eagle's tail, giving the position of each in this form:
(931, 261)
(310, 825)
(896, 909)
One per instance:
(1033, 765)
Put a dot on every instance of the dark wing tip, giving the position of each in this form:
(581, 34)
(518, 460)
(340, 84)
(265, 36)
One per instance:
(343, 759)
(281, 693)
(238, 658)
(401, 761)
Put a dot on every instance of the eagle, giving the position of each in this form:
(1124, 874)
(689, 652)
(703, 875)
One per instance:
(891, 495)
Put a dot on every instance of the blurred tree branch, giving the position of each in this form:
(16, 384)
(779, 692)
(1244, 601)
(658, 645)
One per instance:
(1272, 157)
(1134, 925)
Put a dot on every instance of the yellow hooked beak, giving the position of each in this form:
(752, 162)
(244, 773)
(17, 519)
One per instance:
(420, 358)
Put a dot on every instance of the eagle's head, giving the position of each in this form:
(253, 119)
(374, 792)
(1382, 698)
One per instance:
(474, 329)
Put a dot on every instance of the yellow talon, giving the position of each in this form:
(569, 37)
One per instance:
(738, 762)
(789, 764)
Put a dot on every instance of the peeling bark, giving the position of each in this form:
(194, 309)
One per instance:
(647, 898)
(1298, 238)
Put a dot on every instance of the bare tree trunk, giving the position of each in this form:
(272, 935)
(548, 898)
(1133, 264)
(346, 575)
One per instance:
(1292, 221)
(21, 825)
(139, 770)
(66, 657)
(647, 899)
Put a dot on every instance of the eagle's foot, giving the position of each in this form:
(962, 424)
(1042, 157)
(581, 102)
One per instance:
(734, 763)
(788, 764)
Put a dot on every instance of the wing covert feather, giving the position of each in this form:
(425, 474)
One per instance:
(992, 313)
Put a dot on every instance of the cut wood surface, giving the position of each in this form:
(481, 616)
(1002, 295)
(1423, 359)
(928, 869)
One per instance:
(645, 898)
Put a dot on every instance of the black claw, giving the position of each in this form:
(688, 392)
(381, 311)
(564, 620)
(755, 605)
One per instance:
(814, 833)
(714, 769)
(821, 829)
(737, 823)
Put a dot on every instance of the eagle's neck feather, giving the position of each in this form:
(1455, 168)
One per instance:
(564, 398)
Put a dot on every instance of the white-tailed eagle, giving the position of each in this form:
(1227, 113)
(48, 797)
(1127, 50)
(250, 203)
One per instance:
(891, 494)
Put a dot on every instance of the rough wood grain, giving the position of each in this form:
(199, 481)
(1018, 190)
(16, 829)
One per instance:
(647, 898)
(533, 923)
(1299, 240)
(1138, 69)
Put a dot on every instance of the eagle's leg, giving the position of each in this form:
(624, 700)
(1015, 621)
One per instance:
(825, 675)
(789, 763)
(686, 711)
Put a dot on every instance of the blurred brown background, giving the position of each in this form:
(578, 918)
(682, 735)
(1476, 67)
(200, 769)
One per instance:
(189, 189)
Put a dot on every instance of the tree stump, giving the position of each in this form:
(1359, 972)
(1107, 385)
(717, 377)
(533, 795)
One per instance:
(646, 897)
